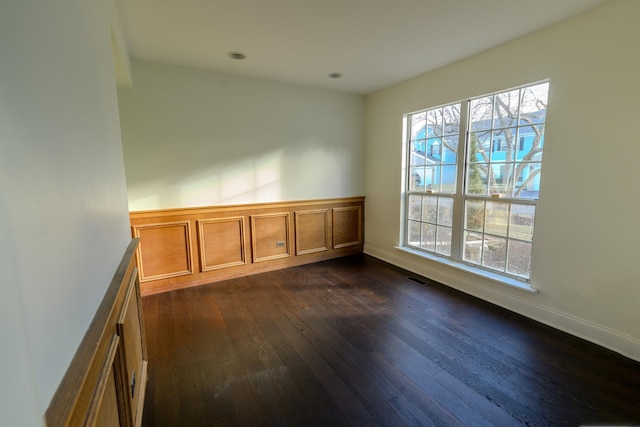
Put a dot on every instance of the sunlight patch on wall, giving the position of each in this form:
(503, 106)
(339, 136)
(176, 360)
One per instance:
(249, 181)
(237, 179)
(200, 191)
(268, 186)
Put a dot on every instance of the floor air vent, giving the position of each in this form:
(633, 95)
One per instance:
(417, 281)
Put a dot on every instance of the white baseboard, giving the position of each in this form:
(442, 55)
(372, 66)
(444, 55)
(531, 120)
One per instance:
(613, 340)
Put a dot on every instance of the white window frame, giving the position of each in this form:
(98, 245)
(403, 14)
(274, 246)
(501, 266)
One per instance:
(459, 197)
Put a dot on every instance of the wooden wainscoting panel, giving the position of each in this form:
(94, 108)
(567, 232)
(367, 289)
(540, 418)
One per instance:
(165, 250)
(108, 415)
(130, 330)
(311, 230)
(103, 409)
(230, 241)
(270, 236)
(94, 390)
(221, 242)
(347, 226)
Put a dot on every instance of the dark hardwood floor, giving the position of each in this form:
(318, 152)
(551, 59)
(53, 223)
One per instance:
(353, 342)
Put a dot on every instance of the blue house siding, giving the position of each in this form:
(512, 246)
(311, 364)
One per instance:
(433, 164)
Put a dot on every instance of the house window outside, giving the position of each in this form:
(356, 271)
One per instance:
(476, 204)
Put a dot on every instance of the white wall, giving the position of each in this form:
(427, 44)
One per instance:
(198, 138)
(587, 236)
(64, 222)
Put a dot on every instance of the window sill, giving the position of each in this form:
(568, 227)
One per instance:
(494, 277)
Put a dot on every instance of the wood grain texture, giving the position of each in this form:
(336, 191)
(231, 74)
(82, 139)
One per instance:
(108, 413)
(347, 226)
(222, 248)
(225, 209)
(353, 342)
(221, 242)
(312, 231)
(129, 328)
(103, 409)
(270, 236)
(165, 250)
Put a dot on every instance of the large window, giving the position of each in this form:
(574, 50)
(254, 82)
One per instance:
(473, 179)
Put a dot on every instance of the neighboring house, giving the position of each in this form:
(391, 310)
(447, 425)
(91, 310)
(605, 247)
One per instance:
(433, 161)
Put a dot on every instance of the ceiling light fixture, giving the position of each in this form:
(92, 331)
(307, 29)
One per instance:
(335, 75)
(239, 56)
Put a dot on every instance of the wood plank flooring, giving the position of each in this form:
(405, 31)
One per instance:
(352, 342)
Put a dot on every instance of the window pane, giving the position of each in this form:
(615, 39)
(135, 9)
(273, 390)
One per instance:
(418, 158)
(449, 149)
(443, 241)
(416, 179)
(528, 185)
(505, 145)
(474, 216)
(434, 122)
(451, 117)
(496, 218)
(496, 144)
(479, 146)
(418, 122)
(506, 109)
(519, 262)
(534, 103)
(430, 209)
(532, 138)
(434, 147)
(525, 142)
(413, 234)
(428, 240)
(521, 222)
(501, 179)
(494, 253)
(472, 247)
(415, 207)
(445, 211)
(477, 178)
(448, 179)
(480, 113)
(432, 178)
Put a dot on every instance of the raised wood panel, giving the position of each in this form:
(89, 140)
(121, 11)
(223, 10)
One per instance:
(103, 409)
(108, 415)
(129, 328)
(165, 250)
(311, 230)
(221, 242)
(347, 226)
(270, 236)
(238, 240)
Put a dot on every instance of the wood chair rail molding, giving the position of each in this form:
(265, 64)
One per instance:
(192, 246)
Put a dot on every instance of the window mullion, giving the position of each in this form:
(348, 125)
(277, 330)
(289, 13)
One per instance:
(458, 198)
